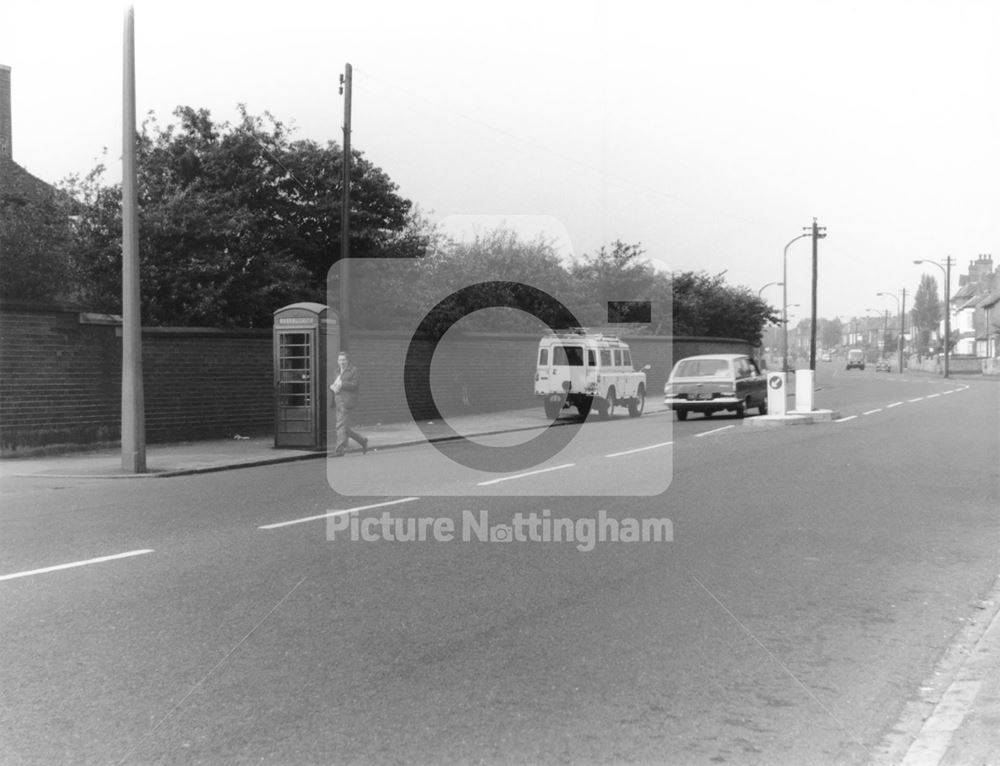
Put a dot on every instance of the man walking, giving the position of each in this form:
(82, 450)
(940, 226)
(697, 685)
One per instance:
(345, 391)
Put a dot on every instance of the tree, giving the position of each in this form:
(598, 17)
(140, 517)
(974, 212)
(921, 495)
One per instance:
(705, 305)
(491, 267)
(831, 331)
(35, 234)
(620, 275)
(926, 314)
(235, 221)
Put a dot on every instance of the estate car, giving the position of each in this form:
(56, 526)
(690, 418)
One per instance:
(712, 383)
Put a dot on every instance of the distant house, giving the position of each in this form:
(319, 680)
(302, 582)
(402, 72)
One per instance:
(33, 257)
(16, 183)
(988, 332)
(973, 308)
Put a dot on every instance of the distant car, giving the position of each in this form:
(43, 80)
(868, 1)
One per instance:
(856, 358)
(711, 383)
(883, 365)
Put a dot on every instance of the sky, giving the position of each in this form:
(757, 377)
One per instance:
(713, 133)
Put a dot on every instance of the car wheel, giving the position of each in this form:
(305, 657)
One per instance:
(583, 405)
(742, 407)
(682, 414)
(762, 407)
(638, 404)
(553, 407)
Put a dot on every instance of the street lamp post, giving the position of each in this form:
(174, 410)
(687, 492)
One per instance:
(946, 269)
(784, 302)
(760, 292)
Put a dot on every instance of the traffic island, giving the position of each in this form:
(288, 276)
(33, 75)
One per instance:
(792, 418)
(777, 398)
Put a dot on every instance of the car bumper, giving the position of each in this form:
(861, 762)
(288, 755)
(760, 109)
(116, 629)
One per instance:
(721, 402)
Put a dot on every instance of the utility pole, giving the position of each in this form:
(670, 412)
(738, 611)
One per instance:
(133, 404)
(947, 313)
(902, 330)
(345, 213)
(818, 233)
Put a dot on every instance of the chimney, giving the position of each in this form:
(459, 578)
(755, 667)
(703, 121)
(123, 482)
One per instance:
(6, 141)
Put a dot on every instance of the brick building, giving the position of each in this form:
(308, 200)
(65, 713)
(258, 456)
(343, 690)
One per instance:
(974, 309)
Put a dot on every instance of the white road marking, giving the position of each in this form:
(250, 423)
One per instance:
(639, 449)
(337, 513)
(713, 431)
(872, 412)
(844, 420)
(894, 404)
(931, 396)
(949, 392)
(71, 565)
(918, 399)
(522, 475)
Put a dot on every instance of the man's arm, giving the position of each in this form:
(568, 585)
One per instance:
(350, 380)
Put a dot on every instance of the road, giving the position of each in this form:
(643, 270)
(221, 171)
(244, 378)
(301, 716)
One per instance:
(815, 576)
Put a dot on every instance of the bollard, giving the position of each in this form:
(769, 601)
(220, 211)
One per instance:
(777, 394)
(804, 390)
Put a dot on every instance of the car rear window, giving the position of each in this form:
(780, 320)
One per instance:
(701, 368)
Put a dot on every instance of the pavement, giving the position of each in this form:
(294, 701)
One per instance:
(185, 458)
(959, 725)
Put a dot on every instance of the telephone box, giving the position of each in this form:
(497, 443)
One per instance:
(306, 335)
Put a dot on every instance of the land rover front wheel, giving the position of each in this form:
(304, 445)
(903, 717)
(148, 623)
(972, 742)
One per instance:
(638, 404)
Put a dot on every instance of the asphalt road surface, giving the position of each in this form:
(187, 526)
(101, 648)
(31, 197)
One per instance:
(811, 579)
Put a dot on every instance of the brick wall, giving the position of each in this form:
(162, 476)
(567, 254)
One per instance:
(60, 377)
(60, 381)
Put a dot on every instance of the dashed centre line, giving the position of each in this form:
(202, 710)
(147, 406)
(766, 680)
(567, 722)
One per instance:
(714, 431)
(360, 508)
(872, 412)
(639, 449)
(523, 475)
(918, 399)
(74, 564)
(894, 404)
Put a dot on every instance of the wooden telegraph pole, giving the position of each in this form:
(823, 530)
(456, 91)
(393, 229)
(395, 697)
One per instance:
(133, 406)
(345, 214)
(818, 233)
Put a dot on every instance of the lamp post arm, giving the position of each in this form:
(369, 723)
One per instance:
(784, 301)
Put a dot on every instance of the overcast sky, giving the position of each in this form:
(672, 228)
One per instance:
(710, 132)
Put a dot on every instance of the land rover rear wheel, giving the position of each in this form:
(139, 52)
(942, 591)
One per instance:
(553, 406)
